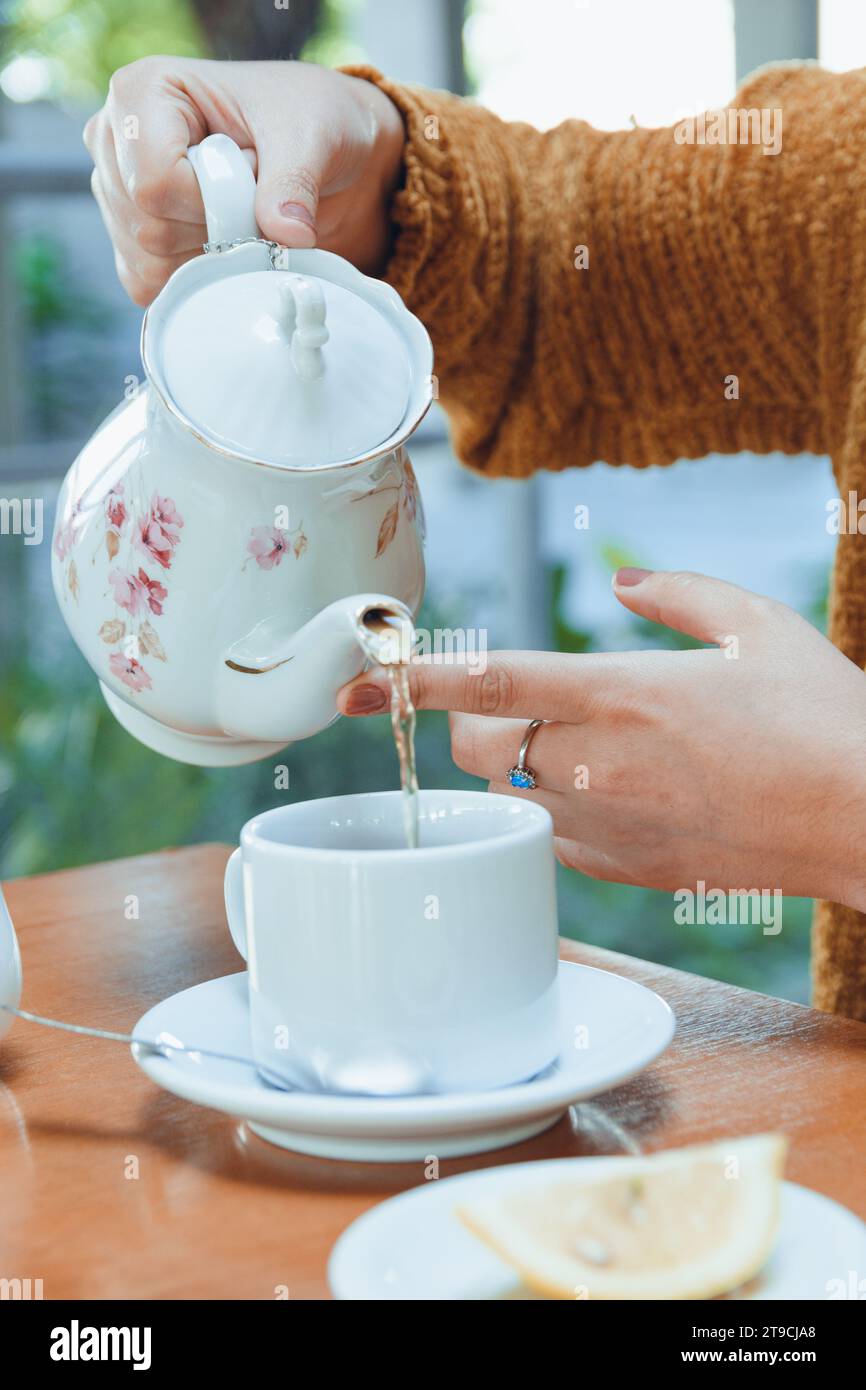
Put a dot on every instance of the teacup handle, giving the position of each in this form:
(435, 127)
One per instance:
(228, 189)
(10, 965)
(234, 900)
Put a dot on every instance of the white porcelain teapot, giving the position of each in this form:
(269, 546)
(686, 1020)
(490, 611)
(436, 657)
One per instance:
(229, 526)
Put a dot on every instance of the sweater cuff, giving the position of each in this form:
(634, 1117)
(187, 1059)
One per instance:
(421, 207)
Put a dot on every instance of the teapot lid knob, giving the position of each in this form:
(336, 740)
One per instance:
(304, 313)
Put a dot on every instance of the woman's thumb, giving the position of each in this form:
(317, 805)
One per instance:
(290, 175)
(709, 609)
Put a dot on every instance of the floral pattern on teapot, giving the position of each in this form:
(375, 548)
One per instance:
(408, 501)
(144, 544)
(268, 544)
(149, 538)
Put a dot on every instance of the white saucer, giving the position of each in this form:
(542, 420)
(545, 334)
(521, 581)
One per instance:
(414, 1247)
(611, 1028)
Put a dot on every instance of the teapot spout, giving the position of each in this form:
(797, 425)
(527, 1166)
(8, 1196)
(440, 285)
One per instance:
(281, 691)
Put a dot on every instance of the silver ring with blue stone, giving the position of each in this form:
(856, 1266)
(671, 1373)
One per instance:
(520, 775)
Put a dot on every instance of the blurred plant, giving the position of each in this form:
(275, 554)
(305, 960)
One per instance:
(45, 294)
(818, 611)
(80, 788)
(70, 48)
(82, 42)
(65, 335)
(566, 638)
(332, 44)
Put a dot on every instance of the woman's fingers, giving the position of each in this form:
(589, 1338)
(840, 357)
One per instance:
(710, 610)
(147, 248)
(578, 834)
(487, 748)
(571, 821)
(520, 685)
(143, 276)
(154, 235)
(327, 150)
(152, 126)
(534, 685)
(564, 816)
(294, 161)
(576, 854)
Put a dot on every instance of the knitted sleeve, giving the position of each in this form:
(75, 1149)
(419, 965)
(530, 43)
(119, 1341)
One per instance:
(635, 299)
(632, 296)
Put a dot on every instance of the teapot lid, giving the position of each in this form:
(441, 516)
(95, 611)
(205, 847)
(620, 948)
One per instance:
(285, 357)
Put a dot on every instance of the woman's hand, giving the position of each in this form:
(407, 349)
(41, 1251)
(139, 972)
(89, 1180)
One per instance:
(327, 150)
(743, 765)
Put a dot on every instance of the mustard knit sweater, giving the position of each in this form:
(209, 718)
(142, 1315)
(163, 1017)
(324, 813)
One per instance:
(704, 261)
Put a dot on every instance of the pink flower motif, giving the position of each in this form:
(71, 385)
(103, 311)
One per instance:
(156, 593)
(129, 592)
(159, 531)
(115, 508)
(154, 540)
(64, 536)
(130, 671)
(63, 540)
(268, 545)
(166, 513)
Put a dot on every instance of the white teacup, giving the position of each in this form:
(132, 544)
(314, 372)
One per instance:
(380, 970)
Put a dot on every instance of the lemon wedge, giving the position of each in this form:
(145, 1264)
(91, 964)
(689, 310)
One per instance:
(685, 1223)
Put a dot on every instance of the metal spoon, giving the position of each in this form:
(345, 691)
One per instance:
(163, 1045)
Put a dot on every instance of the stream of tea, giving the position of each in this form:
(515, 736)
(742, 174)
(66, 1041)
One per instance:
(403, 727)
(389, 642)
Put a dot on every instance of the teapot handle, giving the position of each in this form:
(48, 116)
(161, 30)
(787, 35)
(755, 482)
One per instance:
(228, 188)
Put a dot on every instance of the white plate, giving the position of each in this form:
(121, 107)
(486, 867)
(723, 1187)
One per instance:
(611, 1028)
(414, 1247)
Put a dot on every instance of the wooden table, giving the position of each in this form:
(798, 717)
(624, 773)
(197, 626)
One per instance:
(110, 1188)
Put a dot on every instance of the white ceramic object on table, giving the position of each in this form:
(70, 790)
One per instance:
(219, 535)
(414, 1247)
(377, 969)
(10, 966)
(628, 1027)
